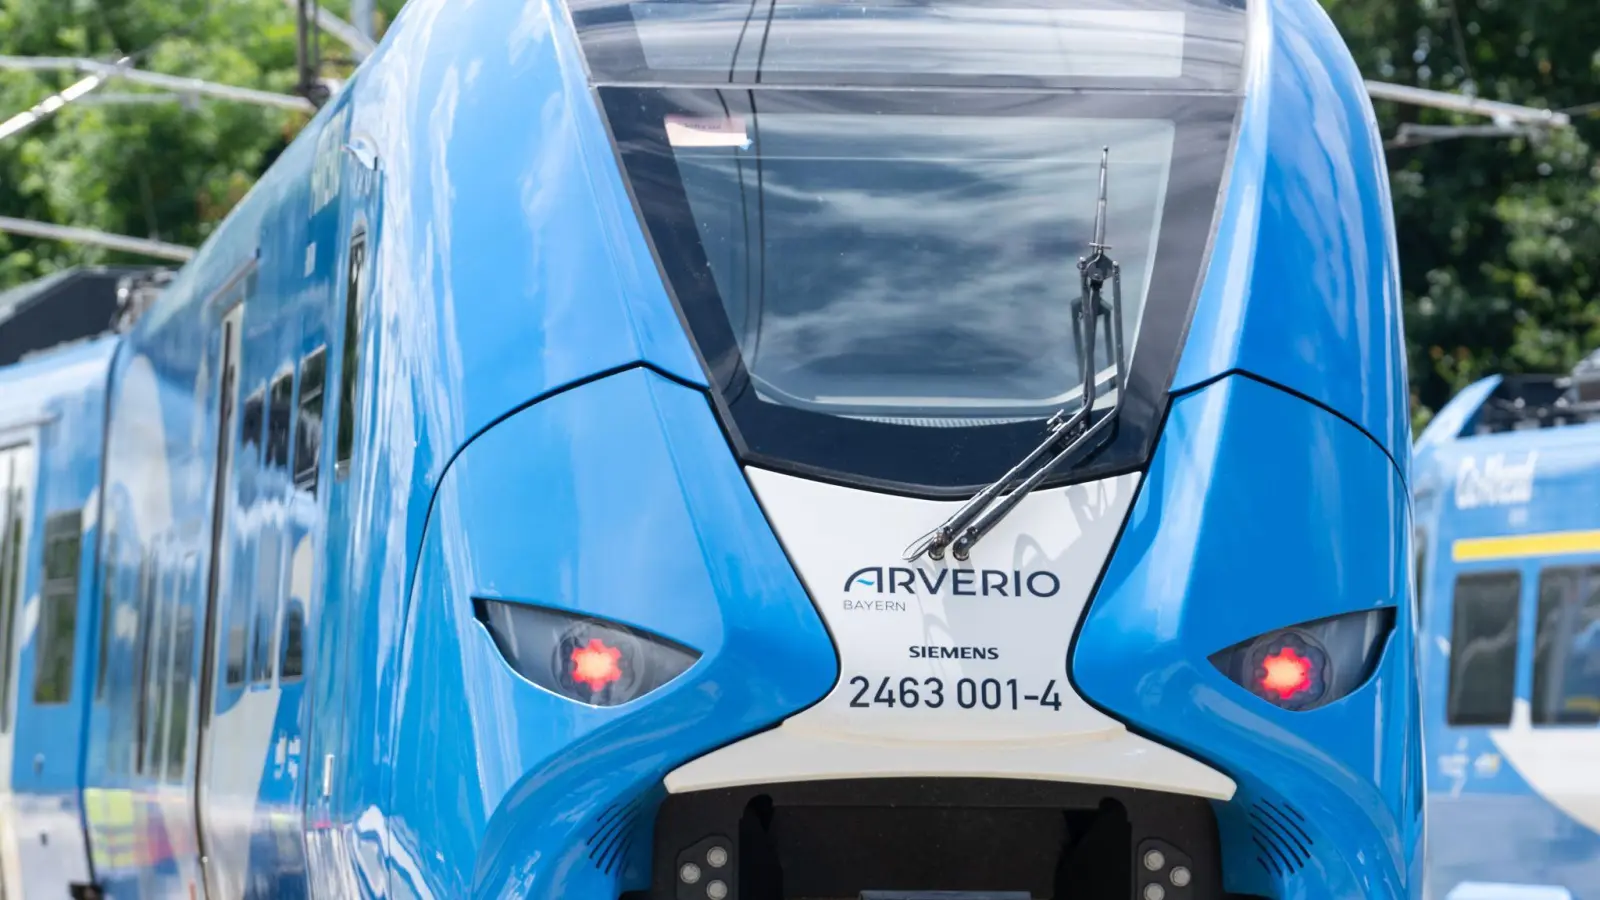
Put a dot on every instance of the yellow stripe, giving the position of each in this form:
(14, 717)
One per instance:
(1553, 543)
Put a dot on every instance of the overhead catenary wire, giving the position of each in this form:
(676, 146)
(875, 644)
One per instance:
(51, 104)
(174, 83)
(125, 243)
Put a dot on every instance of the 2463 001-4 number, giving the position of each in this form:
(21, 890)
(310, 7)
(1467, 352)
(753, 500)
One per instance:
(966, 693)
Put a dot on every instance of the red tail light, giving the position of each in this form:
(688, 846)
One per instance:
(1311, 664)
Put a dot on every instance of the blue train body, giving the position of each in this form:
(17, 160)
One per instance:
(510, 498)
(1508, 556)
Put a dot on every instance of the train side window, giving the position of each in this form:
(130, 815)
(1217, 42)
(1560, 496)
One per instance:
(278, 410)
(268, 580)
(251, 419)
(238, 629)
(147, 630)
(58, 615)
(1483, 648)
(159, 678)
(1566, 661)
(182, 672)
(294, 627)
(12, 498)
(108, 584)
(354, 297)
(308, 434)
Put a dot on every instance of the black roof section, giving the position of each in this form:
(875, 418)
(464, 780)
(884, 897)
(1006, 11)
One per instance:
(69, 306)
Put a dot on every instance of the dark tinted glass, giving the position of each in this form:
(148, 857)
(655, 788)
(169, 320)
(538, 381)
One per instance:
(58, 618)
(293, 643)
(278, 421)
(147, 633)
(883, 284)
(108, 595)
(1566, 666)
(308, 431)
(1483, 648)
(182, 673)
(1167, 44)
(268, 580)
(14, 480)
(350, 365)
(251, 419)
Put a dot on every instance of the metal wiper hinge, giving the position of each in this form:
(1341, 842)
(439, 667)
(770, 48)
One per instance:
(1083, 431)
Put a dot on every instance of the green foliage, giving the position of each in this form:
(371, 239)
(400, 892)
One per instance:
(1499, 237)
(169, 171)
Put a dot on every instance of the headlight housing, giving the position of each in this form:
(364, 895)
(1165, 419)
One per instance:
(585, 659)
(1312, 664)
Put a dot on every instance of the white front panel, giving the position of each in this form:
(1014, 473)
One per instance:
(949, 668)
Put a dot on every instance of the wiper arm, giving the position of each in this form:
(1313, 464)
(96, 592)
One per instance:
(1082, 431)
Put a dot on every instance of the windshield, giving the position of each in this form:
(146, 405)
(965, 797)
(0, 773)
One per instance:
(915, 266)
(882, 280)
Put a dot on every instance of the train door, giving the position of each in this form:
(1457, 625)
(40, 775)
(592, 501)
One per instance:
(221, 503)
(16, 484)
(345, 857)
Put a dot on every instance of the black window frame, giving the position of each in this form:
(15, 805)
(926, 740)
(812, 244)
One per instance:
(56, 644)
(907, 459)
(1458, 647)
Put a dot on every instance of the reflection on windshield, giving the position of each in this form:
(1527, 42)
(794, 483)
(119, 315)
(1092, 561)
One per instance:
(916, 267)
(1149, 42)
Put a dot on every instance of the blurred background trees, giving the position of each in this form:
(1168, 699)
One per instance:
(169, 171)
(1499, 236)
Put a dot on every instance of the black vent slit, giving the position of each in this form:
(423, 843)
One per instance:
(1279, 833)
(613, 834)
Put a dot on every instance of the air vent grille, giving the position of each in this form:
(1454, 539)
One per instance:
(614, 834)
(1281, 838)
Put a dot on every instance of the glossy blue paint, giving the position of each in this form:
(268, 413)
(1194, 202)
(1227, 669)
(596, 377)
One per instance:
(1303, 284)
(618, 499)
(1261, 511)
(528, 425)
(1496, 814)
(55, 405)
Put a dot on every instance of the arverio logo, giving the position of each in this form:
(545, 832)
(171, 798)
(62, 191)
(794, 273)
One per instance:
(953, 582)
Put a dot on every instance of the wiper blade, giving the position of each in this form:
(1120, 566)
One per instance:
(1083, 431)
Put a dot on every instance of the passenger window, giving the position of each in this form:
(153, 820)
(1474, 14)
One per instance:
(58, 617)
(294, 626)
(12, 517)
(354, 293)
(182, 671)
(147, 631)
(251, 419)
(1566, 661)
(238, 628)
(278, 421)
(1483, 648)
(159, 678)
(308, 433)
(268, 571)
(108, 583)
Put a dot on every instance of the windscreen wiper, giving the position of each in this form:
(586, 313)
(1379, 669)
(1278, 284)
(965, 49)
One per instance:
(1083, 432)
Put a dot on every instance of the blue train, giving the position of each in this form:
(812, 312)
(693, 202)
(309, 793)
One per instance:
(1508, 572)
(688, 450)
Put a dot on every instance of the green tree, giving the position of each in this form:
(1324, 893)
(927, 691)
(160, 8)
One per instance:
(1499, 237)
(169, 171)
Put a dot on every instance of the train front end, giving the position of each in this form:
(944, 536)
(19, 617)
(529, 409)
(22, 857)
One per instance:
(1035, 524)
